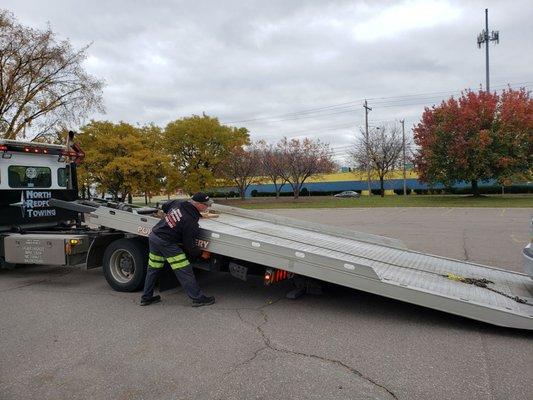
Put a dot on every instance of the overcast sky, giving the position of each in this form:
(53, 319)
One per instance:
(288, 68)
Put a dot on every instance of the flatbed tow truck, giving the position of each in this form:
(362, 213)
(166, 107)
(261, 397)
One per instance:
(242, 242)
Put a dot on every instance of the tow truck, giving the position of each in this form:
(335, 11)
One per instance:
(242, 242)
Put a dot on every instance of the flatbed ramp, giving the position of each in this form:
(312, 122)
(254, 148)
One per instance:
(357, 260)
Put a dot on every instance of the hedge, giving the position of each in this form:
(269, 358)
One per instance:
(514, 189)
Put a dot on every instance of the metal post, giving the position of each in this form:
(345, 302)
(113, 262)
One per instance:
(365, 106)
(70, 139)
(487, 48)
(403, 148)
(485, 38)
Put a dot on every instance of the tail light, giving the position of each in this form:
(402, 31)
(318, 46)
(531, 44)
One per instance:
(273, 275)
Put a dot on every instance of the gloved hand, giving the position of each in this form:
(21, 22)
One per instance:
(206, 255)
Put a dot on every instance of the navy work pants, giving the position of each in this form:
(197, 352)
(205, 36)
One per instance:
(161, 251)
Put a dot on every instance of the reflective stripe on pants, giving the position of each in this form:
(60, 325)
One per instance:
(178, 261)
(155, 261)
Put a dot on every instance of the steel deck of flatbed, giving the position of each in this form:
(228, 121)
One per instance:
(357, 260)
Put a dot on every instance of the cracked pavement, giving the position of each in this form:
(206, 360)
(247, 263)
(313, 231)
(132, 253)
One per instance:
(270, 346)
(66, 335)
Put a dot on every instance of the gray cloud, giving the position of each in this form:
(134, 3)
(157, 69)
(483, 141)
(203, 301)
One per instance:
(245, 60)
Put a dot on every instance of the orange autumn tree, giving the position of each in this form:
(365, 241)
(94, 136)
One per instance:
(477, 137)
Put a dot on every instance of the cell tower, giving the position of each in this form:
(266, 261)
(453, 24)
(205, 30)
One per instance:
(485, 37)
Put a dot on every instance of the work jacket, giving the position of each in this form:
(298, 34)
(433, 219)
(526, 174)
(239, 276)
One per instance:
(180, 225)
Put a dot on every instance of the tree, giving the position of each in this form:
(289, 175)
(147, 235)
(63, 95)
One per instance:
(271, 160)
(477, 137)
(119, 158)
(303, 159)
(42, 83)
(242, 167)
(149, 165)
(514, 136)
(197, 145)
(381, 151)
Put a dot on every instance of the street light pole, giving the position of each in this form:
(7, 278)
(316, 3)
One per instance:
(365, 106)
(403, 148)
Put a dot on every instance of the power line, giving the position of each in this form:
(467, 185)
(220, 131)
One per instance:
(395, 103)
(321, 129)
(345, 107)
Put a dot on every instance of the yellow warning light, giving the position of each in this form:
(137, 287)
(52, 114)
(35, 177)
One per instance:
(74, 242)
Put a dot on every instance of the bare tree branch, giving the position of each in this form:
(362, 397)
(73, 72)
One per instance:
(42, 82)
(380, 152)
(271, 160)
(302, 159)
(242, 167)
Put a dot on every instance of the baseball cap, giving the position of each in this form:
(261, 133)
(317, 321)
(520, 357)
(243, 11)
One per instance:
(202, 198)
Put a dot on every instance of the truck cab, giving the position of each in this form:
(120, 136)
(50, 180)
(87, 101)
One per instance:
(30, 175)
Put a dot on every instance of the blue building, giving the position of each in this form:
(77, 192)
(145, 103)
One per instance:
(357, 185)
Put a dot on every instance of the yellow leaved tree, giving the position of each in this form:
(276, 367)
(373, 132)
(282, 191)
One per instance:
(196, 146)
(121, 159)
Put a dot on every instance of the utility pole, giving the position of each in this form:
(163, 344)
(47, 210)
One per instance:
(402, 121)
(485, 37)
(365, 106)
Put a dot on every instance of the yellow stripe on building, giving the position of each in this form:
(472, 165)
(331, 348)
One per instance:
(358, 176)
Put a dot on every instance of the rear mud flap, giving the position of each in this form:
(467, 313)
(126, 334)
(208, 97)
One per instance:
(238, 271)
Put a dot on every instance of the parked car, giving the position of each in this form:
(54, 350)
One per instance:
(347, 193)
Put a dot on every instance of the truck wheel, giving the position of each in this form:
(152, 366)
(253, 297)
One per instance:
(124, 264)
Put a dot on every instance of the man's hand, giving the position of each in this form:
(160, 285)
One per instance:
(209, 215)
(159, 214)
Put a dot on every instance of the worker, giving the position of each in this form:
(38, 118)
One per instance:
(179, 225)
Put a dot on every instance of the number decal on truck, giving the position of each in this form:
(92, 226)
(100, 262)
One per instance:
(143, 230)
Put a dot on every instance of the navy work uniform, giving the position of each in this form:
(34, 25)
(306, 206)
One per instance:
(180, 225)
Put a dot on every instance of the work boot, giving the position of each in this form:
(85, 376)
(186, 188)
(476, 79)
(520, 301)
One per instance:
(153, 299)
(203, 301)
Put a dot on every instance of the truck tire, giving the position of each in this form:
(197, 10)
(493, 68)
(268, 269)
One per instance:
(124, 264)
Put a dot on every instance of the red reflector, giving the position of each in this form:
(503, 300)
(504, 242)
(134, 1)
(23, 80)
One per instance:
(35, 150)
(27, 149)
(3, 147)
(45, 151)
(276, 275)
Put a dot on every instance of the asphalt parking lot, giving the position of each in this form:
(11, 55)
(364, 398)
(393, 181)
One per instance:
(65, 334)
